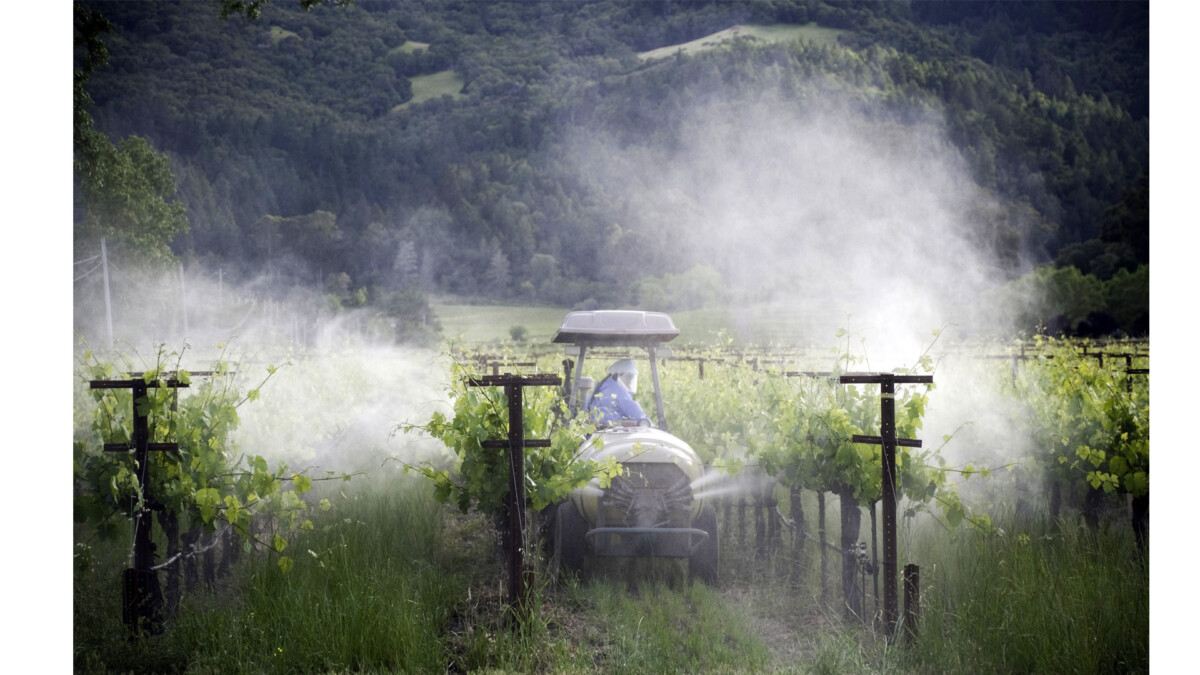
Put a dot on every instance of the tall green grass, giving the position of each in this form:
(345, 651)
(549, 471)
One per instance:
(390, 581)
(365, 594)
(1034, 595)
(370, 591)
(1039, 598)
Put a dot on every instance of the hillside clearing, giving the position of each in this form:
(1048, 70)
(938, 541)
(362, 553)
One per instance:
(426, 87)
(809, 32)
(410, 47)
(278, 34)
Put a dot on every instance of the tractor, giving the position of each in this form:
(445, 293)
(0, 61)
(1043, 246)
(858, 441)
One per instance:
(651, 509)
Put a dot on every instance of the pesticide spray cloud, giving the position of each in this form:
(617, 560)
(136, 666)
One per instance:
(340, 389)
(829, 210)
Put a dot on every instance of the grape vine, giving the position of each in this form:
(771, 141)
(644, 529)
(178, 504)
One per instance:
(1092, 421)
(798, 428)
(206, 481)
(479, 478)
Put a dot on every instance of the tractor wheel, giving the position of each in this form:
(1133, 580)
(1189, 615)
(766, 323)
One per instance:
(570, 548)
(702, 564)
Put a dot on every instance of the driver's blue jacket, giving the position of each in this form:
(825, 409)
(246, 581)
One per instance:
(612, 403)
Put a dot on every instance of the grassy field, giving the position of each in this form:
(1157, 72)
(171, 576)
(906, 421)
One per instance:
(484, 324)
(810, 32)
(760, 325)
(278, 34)
(435, 85)
(411, 46)
(389, 581)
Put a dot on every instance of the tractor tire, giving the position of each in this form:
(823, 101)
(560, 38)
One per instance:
(570, 546)
(703, 563)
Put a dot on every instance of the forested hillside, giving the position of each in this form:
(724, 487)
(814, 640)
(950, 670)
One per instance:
(534, 151)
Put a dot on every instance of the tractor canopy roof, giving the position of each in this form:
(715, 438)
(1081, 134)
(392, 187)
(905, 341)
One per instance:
(616, 327)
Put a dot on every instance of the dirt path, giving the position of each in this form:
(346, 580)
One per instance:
(787, 627)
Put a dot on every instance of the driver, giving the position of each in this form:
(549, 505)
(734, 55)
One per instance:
(613, 403)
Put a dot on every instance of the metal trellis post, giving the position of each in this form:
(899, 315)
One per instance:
(143, 598)
(887, 383)
(518, 576)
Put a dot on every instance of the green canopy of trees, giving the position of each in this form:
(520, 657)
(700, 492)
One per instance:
(284, 110)
(124, 190)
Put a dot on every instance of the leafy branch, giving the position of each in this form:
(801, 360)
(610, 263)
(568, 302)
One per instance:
(479, 477)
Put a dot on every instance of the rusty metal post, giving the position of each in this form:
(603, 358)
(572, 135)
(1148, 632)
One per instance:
(742, 520)
(516, 495)
(144, 600)
(875, 554)
(887, 439)
(888, 497)
(821, 539)
(142, 594)
(519, 576)
(143, 548)
(912, 599)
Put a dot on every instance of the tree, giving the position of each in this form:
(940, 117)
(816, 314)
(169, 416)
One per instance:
(1127, 296)
(339, 293)
(407, 266)
(1128, 222)
(122, 191)
(543, 269)
(313, 236)
(252, 9)
(699, 287)
(125, 190)
(290, 121)
(498, 273)
(1057, 298)
(408, 314)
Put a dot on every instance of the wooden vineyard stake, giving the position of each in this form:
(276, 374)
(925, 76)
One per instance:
(142, 606)
(519, 578)
(887, 438)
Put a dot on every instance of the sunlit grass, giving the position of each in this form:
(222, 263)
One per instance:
(435, 85)
(278, 34)
(809, 32)
(760, 324)
(410, 46)
(481, 324)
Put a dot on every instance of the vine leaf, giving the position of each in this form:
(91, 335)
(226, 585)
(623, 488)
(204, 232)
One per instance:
(303, 483)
